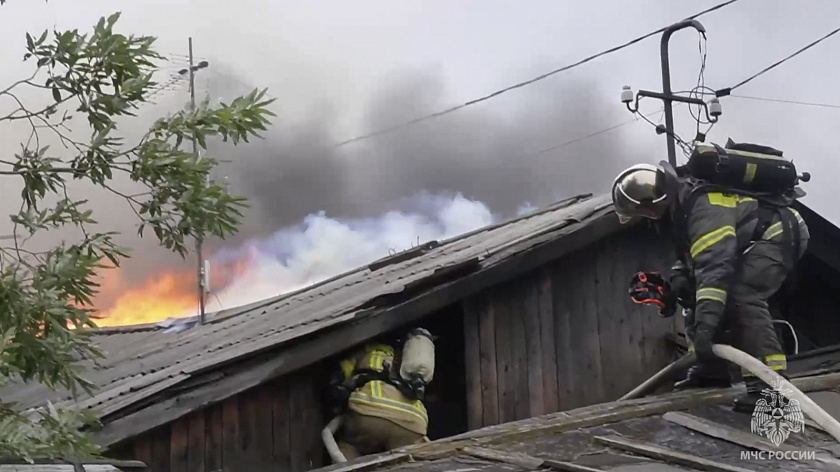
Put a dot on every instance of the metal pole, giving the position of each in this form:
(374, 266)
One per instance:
(666, 83)
(198, 240)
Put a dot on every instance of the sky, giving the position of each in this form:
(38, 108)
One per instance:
(343, 69)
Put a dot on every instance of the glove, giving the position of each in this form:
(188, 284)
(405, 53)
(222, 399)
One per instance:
(703, 338)
(650, 288)
(681, 283)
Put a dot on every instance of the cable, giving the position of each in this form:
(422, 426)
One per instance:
(727, 91)
(591, 135)
(527, 82)
(793, 102)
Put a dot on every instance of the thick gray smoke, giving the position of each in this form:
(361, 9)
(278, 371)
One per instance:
(487, 152)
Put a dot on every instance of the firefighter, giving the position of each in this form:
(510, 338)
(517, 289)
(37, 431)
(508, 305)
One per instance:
(381, 412)
(737, 253)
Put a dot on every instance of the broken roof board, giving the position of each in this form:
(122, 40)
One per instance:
(145, 361)
(570, 437)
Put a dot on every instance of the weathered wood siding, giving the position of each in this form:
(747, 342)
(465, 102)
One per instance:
(271, 428)
(566, 335)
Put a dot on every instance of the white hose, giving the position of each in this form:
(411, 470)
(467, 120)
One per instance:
(826, 421)
(328, 436)
(793, 332)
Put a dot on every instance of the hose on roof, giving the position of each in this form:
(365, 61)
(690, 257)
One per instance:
(809, 407)
(328, 436)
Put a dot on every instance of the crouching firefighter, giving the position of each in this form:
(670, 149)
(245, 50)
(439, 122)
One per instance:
(382, 394)
(729, 213)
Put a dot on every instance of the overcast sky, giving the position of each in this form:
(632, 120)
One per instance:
(342, 69)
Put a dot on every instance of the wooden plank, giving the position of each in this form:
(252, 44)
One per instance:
(196, 442)
(331, 339)
(505, 375)
(179, 445)
(568, 466)
(160, 449)
(736, 436)
(248, 450)
(568, 370)
(533, 346)
(664, 454)
(547, 341)
(214, 440)
(281, 419)
(489, 376)
(312, 418)
(472, 363)
(517, 309)
(230, 433)
(143, 449)
(297, 405)
(517, 459)
(584, 326)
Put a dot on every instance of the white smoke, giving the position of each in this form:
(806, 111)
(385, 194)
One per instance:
(322, 247)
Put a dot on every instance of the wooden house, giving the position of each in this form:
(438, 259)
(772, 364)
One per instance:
(532, 316)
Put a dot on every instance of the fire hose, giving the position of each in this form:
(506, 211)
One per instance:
(328, 436)
(760, 370)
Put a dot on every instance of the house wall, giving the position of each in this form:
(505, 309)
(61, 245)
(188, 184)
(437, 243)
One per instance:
(272, 428)
(565, 335)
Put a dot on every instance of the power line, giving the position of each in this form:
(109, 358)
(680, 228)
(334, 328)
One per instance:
(727, 91)
(527, 82)
(793, 102)
(592, 135)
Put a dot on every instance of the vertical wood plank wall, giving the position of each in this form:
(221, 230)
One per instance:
(565, 335)
(272, 428)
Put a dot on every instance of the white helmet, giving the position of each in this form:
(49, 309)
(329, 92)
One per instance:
(638, 192)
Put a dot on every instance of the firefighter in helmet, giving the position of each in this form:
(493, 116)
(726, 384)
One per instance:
(736, 252)
(382, 411)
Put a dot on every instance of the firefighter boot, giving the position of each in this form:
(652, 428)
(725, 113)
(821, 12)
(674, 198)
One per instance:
(699, 377)
(756, 390)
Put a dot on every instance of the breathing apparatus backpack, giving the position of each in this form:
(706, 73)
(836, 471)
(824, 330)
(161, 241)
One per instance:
(417, 361)
(751, 170)
(744, 168)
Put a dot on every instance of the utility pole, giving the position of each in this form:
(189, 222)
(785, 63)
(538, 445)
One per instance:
(198, 243)
(713, 109)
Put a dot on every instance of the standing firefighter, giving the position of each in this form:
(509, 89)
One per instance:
(383, 396)
(729, 211)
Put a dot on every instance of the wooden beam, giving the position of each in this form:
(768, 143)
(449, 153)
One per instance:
(517, 459)
(568, 466)
(664, 454)
(736, 436)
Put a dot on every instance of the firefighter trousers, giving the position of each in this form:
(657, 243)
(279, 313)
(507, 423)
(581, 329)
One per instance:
(747, 324)
(363, 435)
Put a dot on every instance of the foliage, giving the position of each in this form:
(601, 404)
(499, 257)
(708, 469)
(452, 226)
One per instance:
(46, 318)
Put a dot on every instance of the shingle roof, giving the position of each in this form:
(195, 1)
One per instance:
(143, 361)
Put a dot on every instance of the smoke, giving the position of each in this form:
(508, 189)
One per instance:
(321, 247)
(487, 153)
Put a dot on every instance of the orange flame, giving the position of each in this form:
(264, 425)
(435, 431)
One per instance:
(171, 294)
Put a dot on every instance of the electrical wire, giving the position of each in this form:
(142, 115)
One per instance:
(792, 102)
(728, 91)
(527, 82)
(591, 135)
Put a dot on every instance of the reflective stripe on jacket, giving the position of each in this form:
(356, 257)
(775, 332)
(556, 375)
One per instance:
(381, 399)
(720, 228)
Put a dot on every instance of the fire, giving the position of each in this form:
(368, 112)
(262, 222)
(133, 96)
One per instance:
(169, 294)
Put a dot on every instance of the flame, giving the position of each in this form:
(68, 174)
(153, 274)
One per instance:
(170, 294)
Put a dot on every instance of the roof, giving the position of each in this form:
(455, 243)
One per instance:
(154, 374)
(694, 430)
(148, 368)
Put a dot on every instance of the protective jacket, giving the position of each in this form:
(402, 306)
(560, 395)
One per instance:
(378, 397)
(718, 229)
